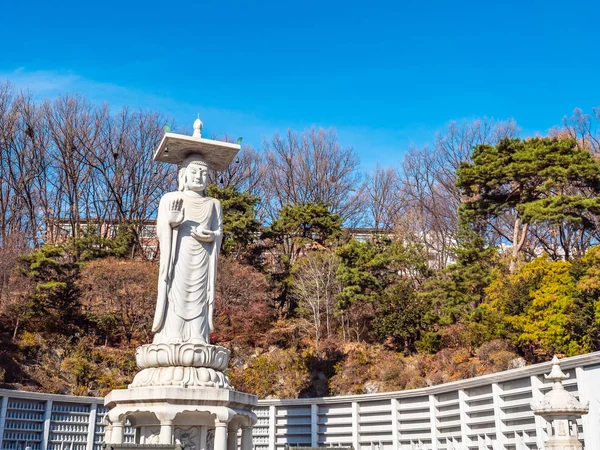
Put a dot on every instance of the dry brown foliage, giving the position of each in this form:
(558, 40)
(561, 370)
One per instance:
(372, 368)
(121, 294)
(242, 310)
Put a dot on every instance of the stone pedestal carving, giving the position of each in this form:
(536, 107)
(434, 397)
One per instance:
(184, 365)
(181, 395)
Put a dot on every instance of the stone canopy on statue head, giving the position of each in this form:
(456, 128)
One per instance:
(175, 148)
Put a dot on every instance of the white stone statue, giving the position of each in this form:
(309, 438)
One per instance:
(181, 393)
(189, 229)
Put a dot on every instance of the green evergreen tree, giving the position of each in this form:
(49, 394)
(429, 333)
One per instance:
(459, 289)
(55, 297)
(359, 273)
(298, 229)
(124, 242)
(306, 223)
(400, 314)
(383, 276)
(241, 226)
(535, 181)
(586, 317)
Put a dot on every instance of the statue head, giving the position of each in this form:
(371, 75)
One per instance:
(193, 174)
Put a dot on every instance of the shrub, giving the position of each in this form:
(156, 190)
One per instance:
(275, 374)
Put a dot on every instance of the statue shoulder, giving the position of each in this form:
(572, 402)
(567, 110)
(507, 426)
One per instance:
(170, 196)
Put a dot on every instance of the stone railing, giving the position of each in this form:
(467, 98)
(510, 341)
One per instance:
(489, 412)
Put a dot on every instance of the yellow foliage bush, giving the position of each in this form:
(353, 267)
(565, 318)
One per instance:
(275, 374)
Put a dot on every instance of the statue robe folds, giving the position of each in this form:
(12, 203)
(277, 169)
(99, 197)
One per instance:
(188, 268)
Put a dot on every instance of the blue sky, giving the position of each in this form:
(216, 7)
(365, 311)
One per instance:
(386, 75)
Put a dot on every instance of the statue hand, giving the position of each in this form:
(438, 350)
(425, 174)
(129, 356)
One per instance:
(203, 235)
(175, 212)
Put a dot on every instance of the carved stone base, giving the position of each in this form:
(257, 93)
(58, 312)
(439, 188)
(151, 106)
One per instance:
(184, 355)
(563, 443)
(182, 377)
(199, 418)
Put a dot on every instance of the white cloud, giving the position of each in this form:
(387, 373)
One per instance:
(373, 144)
(43, 84)
(50, 84)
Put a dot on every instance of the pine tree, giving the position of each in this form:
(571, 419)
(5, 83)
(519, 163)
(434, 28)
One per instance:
(537, 181)
(55, 297)
(298, 229)
(241, 226)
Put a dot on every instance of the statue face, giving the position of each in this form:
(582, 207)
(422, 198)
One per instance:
(196, 176)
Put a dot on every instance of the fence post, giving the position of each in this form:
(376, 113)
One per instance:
(395, 424)
(47, 418)
(355, 426)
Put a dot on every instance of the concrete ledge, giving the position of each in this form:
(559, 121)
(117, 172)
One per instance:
(180, 395)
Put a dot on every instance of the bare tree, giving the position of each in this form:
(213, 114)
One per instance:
(245, 173)
(315, 286)
(123, 292)
(12, 248)
(24, 166)
(69, 119)
(429, 213)
(127, 186)
(10, 218)
(312, 167)
(583, 128)
(427, 181)
(68, 160)
(382, 198)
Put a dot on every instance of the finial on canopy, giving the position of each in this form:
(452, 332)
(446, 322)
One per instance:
(197, 127)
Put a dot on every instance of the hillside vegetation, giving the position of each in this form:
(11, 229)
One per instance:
(368, 317)
(480, 255)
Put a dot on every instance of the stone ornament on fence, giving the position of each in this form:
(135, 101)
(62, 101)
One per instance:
(561, 410)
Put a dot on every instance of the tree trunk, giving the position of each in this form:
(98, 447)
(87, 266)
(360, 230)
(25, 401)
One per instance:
(519, 235)
(14, 338)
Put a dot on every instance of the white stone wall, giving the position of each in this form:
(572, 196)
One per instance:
(489, 412)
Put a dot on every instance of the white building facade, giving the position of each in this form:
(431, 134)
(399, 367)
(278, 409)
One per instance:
(489, 412)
